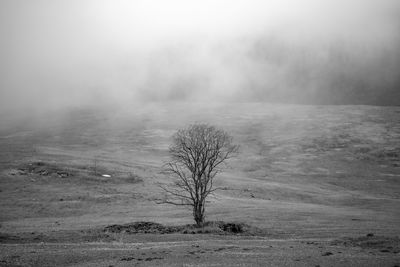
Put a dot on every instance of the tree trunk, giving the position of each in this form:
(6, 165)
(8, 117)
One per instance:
(198, 214)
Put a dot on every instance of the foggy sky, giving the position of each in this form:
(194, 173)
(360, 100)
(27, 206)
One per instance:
(81, 52)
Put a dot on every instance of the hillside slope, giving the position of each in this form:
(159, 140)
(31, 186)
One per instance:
(301, 170)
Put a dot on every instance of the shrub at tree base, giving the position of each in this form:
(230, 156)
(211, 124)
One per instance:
(213, 227)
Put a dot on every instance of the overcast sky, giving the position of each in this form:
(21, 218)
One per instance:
(78, 52)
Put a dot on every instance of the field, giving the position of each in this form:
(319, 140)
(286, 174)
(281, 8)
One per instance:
(315, 179)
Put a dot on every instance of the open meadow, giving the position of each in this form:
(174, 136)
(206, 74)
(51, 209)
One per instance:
(313, 181)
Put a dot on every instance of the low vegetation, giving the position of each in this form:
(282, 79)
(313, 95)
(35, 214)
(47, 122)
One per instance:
(45, 169)
(211, 227)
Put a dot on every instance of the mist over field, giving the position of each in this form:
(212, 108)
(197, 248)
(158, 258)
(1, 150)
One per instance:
(199, 133)
(57, 54)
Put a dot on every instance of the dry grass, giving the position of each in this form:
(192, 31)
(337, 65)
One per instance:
(302, 170)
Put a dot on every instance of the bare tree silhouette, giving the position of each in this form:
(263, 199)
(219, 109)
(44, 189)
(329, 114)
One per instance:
(197, 156)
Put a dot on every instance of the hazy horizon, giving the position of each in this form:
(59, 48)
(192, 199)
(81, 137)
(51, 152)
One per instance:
(79, 53)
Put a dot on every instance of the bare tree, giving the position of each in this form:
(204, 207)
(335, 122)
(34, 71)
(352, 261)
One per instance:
(197, 155)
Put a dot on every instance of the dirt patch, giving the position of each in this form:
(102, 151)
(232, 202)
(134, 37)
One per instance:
(52, 170)
(7, 238)
(370, 241)
(71, 236)
(43, 169)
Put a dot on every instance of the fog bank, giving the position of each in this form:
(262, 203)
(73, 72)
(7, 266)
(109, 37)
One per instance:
(80, 53)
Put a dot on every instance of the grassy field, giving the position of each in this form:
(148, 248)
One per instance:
(303, 173)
